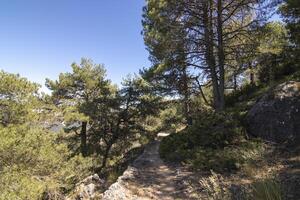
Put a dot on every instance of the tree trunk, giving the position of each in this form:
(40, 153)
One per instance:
(251, 74)
(221, 56)
(186, 98)
(202, 93)
(234, 81)
(83, 138)
(110, 143)
(209, 54)
(105, 156)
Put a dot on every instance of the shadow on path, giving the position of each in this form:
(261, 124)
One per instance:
(150, 178)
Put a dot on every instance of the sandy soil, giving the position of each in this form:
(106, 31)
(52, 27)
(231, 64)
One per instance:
(150, 178)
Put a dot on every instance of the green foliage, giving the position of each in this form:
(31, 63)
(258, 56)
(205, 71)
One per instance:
(18, 99)
(273, 38)
(268, 189)
(110, 118)
(274, 54)
(121, 164)
(275, 67)
(171, 117)
(241, 94)
(189, 48)
(240, 101)
(229, 158)
(85, 96)
(215, 142)
(290, 11)
(215, 187)
(140, 97)
(33, 163)
(295, 76)
(79, 90)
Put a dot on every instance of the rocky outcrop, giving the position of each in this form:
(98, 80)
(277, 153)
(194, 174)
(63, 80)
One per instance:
(89, 188)
(118, 190)
(276, 116)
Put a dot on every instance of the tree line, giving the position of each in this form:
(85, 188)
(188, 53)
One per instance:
(202, 52)
(99, 123)
(207, 48)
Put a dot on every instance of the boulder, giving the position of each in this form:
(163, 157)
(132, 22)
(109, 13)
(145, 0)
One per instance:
(89, 188)
(276, 115)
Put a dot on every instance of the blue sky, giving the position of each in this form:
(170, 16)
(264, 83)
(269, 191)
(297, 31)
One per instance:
(41, 38)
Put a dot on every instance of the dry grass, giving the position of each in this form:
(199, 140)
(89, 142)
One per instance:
(267, 189)
(214, 187)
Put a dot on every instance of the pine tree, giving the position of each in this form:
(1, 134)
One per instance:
(18, 99)
(79, 93)
(205, 31)
(291, 12)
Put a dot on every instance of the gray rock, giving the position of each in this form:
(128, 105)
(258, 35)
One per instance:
(276, 116)
(89, 188)
(118, 190)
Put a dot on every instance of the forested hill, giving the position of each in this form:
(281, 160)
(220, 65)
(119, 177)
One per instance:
(215, 116)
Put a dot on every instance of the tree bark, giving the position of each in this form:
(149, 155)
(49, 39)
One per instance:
(234, 81)
(186, 98)
(251, 74)
(105, 156)
(221, 56)
(83, 137)
(202, 93)
(110, 143)
(209, 52)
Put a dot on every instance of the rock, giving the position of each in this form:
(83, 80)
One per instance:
(118, 190)
(276, 116)
(162, 135)
(89, 188)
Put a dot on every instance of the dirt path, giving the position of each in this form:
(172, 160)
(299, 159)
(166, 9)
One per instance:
(150, 178)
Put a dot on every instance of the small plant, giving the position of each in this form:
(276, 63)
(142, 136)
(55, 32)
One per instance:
(215, 142)
(268, 189)
(214, 187)
(241, 94)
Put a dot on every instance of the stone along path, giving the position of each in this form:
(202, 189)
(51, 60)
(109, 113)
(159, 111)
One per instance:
(150, 178)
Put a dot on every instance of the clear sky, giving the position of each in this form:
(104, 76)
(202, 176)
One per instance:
(41, 38)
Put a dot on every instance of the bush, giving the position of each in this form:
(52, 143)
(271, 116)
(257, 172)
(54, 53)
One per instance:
(268, 189)
(241, 94)
(227, 159)
(34, 164)
(215, 141)
(175, 147)
(215, 187)
(276, 67)
(171, 118)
